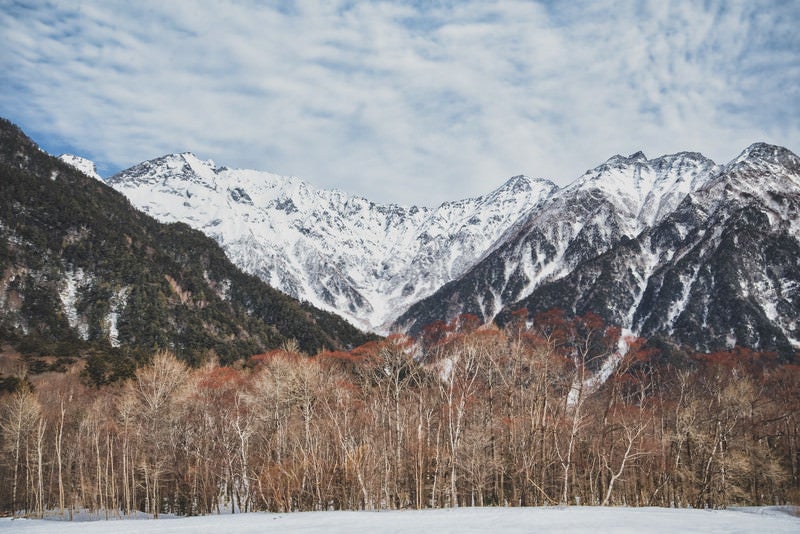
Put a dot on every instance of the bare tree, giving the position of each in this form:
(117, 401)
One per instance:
(21, 415)
(156, 389)
(458, 385)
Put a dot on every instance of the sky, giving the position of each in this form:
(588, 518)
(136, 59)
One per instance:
(413, 102)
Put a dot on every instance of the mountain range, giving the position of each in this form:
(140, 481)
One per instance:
(677, 247)
(342, 253)
(82, 271)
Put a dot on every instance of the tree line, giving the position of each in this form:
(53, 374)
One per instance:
(545, 411)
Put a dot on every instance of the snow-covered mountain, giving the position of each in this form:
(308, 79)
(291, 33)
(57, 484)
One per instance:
(366, 261)
(614, 201)
(675, 247)
(82, 271)
(84, 165)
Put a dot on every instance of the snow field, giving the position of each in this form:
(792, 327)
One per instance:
(594, 520)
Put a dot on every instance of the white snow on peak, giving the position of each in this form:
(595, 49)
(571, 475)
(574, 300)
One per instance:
(370, 262)
(750, 169)
(764, 152)
(365, 261)
(84, 165)
(642, 190)
(620, 198)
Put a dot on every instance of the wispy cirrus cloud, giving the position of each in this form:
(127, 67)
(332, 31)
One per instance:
(412, 102)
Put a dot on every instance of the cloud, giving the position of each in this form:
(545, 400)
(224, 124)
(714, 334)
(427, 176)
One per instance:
(404, 102)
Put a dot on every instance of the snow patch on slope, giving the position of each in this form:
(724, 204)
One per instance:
(118, 303)
(73, 281)
(598, 378)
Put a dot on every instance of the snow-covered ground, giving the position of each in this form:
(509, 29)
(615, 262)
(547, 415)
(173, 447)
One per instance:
(464, 520)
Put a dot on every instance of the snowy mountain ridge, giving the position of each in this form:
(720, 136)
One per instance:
(528, 243)
(704, 254)
(366, 261)
(617, 200)
(84, 165)
(83, 271)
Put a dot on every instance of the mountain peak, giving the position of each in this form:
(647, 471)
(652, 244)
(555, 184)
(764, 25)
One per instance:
(520, 178)
(761, 167)
(767, 153)
(183, 167)
(636, 157)
(84, 165)
(517, 183)
(194, 161)
(683, 156)
(525, 184)
(342, 253)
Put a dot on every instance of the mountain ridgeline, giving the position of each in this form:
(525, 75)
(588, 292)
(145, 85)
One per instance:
(710, 261)
(345, 254)
(678, 247)
(81, 269)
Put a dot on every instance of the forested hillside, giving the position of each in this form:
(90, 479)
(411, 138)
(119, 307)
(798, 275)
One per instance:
(84, 273)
